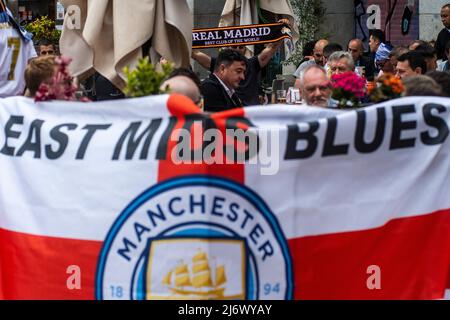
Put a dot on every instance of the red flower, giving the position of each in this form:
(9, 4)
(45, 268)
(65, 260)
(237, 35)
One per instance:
(348, 88)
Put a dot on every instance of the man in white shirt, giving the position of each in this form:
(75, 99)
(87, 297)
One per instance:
(16, 50)
(318, 57)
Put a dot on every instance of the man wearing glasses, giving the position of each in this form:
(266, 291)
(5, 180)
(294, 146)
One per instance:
(356, 49)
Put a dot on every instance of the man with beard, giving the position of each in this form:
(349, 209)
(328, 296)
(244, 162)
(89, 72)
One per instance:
(315, 87)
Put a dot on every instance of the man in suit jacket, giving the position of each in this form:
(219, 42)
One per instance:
(356, 49)
(219, 89)
(444, 35)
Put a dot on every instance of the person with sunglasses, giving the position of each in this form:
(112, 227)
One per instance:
(318, 57)
(356, 49)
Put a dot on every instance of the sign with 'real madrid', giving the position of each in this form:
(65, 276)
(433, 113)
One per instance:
(239, 36)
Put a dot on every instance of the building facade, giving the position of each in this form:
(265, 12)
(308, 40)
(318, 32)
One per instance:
(403, 20)
(26, 11)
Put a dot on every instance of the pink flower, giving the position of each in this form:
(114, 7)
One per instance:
(348, 86)
(61, 86)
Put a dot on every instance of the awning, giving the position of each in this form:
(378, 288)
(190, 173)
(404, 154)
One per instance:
(113, 31)
(245, 12)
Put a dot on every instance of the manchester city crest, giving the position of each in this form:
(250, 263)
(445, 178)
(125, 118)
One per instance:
(199, 238)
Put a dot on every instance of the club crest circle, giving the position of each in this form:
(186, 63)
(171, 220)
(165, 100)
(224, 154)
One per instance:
(195, 237)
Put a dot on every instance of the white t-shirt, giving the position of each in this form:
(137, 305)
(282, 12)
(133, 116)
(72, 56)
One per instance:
(14, 56)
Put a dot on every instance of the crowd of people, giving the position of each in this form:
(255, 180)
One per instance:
(234, 80)
(423, 68)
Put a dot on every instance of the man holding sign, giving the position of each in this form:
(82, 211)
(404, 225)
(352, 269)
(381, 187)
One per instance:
(248, 90)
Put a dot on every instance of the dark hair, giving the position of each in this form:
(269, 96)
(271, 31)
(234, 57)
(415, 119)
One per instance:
(443, 79)
(227, 57)
(378, 34)
(331, 48)
(398, 51)
(45, 42)
(308, 49)
(421, 86)
(426, 50)
(446, 6)
(187, 73)
(415, 59)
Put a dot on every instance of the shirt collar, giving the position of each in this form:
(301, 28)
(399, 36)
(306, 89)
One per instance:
(229, 91)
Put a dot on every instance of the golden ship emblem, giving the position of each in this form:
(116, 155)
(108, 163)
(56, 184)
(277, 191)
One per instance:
(197, 281)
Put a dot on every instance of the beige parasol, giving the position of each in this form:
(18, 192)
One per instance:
(244, 12)
(112, 33)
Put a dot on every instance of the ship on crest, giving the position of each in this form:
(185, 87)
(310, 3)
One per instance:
(198, 281)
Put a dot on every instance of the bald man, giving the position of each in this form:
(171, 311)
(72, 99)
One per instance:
(315, 87)
(318, 57)
(185, 86)
(356, 49)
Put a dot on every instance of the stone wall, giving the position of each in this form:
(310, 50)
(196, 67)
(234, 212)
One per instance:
(430, 18)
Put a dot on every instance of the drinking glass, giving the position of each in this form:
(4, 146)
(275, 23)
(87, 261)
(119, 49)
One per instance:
(281, 96)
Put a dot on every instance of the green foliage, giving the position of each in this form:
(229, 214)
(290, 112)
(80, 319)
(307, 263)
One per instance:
(309, 14)
(145, 80)
(44, 28)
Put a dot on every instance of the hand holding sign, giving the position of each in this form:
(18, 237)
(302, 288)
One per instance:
(241, 35)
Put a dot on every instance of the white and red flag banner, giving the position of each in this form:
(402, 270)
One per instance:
(150, 199)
